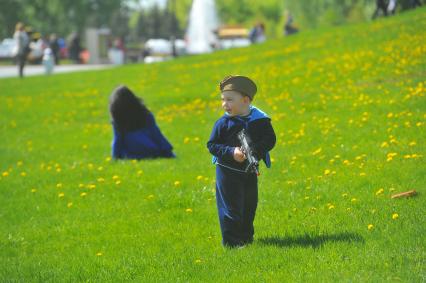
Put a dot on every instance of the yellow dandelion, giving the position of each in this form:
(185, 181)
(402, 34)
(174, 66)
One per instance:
(370, 226)
(83, 194)
(23, 174)
(395, 216)
(5, 174)
(100, 168)
(108, 159)
(331, 207)
(69, 204)
(81, 185)
(61, 195)
(186, 140)
(100, 180)
(115, 177)
(317, 151)
(33, 190)
(198, 261)
(199, 178)
(354, 200)
(362, 174)
(380, 191)
(118, 182)
(150, 196)
(140, 172)
(99, 254)
(91, 186)
(189, 210)
(327, 171)
(59, 185)
(177, 183)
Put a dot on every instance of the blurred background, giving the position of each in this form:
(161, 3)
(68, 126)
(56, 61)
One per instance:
(126, 31)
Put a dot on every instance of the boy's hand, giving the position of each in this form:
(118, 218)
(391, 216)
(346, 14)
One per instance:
(239, 155)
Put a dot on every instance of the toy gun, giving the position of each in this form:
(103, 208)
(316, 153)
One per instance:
(253, 163)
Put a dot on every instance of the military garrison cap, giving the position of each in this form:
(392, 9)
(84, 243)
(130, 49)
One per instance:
(242, 84)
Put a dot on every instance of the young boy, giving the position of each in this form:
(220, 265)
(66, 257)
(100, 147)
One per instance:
(236, 189)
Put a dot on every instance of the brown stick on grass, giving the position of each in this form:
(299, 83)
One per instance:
(405, 194)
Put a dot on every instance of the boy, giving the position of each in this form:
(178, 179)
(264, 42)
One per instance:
(236, 189)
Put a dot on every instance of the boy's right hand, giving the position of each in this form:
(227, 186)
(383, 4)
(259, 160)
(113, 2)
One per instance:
(239, 155)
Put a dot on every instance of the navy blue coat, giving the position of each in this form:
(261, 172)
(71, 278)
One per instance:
(223, 138)
(147, 142)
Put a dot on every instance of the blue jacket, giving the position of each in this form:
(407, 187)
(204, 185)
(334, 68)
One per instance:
(223, 138)
(147, 142)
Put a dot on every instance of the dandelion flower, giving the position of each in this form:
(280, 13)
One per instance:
(99, 254)
(189, 210)
(395, 216)
(69, 204)
(83, 194)
(198, 261)
(177, 183)
(61, 195)
(380, 191)
(33, 190)
(370, 226)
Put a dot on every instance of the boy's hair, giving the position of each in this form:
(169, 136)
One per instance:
(128, 112)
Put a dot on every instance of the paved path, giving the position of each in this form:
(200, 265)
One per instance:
(34, 70)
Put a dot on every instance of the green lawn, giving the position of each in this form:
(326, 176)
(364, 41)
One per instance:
(348, 106)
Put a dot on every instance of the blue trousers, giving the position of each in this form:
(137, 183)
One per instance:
(236, 199)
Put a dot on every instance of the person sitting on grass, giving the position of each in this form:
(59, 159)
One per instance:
(136, 134)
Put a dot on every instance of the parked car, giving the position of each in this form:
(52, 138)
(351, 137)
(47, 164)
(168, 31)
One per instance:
(6, 48)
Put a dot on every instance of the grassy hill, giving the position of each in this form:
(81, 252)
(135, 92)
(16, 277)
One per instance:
(348, 106)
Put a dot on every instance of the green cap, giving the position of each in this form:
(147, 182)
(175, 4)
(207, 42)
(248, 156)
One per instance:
(242, 84)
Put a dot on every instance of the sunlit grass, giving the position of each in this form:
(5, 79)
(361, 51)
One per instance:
(348, 107)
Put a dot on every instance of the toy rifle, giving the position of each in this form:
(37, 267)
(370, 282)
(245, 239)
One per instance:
(246, 148)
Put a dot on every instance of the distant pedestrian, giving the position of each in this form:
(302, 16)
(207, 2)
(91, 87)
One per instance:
(48, 60)
(54, 46)
(21, 49)
(392, 7)
(289, 28)
(74, 48)
(380, 6)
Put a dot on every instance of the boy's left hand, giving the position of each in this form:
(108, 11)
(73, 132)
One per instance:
(239, 155)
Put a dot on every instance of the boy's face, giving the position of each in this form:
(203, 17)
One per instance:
(234, 103)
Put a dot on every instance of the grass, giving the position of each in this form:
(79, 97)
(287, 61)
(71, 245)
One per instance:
(348, 106)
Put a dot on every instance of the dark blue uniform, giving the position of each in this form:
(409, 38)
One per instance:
(147, 142)
(236, 190)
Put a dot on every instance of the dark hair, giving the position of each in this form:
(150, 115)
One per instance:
(128, 112)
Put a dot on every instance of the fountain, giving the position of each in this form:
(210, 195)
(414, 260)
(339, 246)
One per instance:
(203, 22)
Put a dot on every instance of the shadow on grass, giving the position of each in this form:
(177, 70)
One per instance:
(311, 240)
